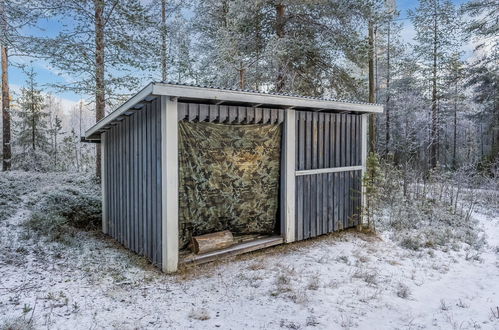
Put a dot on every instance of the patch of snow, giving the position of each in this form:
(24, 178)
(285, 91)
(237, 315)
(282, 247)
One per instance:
(344, 280)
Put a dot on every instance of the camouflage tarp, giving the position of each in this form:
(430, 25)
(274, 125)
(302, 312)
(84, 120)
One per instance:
(228, 178)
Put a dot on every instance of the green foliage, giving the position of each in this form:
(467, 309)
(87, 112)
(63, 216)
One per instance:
(32, 145)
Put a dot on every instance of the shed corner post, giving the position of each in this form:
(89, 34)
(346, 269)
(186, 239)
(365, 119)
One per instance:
(169, 184)
(365, 122)
(103, 182)
(289, 174)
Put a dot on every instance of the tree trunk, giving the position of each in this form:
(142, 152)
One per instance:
(6, 146)
(280, 32)
(7, 150)
(242, 71)
(99, 75)
(387, 106)
(372, 88)
(434, 109)
(164, 45)
(454, 146)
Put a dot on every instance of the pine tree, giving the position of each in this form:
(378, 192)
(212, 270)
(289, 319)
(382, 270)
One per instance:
(437, 26)
(483, 76)
(32, 138)
(14, 16)
(104, 48)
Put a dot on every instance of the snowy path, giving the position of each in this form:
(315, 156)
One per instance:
(346, 280)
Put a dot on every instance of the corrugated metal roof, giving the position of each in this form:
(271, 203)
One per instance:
(264, 93)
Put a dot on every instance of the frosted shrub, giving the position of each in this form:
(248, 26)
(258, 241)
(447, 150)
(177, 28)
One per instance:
(428, 211)
(63, 210)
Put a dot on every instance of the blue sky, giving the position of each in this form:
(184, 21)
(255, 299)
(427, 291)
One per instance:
(46, 75)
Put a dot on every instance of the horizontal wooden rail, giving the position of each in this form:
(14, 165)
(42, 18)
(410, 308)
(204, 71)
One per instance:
(329, 170)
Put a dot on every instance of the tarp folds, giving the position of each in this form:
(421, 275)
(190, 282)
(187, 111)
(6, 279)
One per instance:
(228, 178)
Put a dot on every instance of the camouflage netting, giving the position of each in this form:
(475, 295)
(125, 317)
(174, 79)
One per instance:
(229, 178)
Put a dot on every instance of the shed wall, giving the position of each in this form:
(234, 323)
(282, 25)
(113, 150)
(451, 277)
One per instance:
(327, 202)
(133, 181)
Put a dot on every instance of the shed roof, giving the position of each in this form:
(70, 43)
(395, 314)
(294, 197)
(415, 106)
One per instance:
(206, 94)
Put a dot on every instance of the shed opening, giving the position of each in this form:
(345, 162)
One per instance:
(229, 178)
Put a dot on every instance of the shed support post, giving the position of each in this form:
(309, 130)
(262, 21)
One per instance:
(169, 183)
(103, 178)
(364, 124)
(289, 175)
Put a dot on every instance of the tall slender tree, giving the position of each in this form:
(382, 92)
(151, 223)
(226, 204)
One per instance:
(102, 49)
(14, 15)
(437, 25)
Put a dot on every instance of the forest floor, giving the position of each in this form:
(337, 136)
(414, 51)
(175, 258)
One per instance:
(339, 281)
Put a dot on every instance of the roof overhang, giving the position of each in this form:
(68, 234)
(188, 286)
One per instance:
(186, 93)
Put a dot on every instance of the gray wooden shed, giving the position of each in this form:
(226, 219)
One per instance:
(323, 158)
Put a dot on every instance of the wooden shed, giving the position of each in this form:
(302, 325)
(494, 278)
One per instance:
(183, 160)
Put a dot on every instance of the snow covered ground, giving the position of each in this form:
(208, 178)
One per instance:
(344, 280)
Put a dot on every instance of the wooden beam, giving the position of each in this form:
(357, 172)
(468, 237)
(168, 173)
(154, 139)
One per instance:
(363, 157)
(234, 250)
(289, 175)
(103, 182)
(169, 183)
(329, 170)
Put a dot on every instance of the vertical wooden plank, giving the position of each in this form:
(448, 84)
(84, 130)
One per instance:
(308, 141)
(318, 202)
(273, 116)
(300, 180)
(152, 161)
(223, 113)
(315, 147)
(133, 179)
(182, 111)
(140, 178)
(169, 183)
(112, 192)
(250, 115)
(126, 181)
(104, 181)
(281, 115)
(299, 208)
(193, 112)
(233, 114)
(258, 115)
(119, 223)
(147, 195)
(320, 141)
(265, 116)
(337, 141)
(144, 184)
(330, 211)
(159, 241)
(241, 115)
(363, 158)
(359, 139)
(203, 112)
(289, 151)
(325, 199)
(348, 141)
(306, 206)
(327, 134)
(301, 140)
(213, 112)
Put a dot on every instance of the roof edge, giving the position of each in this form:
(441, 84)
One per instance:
(155, 89)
